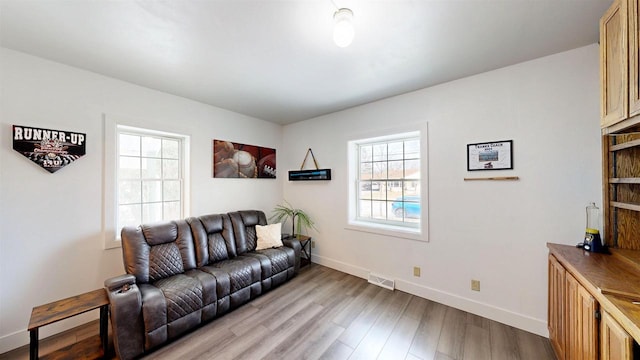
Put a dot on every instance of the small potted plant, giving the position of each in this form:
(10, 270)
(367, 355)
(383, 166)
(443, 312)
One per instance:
(285, 212)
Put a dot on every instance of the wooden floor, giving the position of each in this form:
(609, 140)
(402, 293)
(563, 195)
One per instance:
(326, 314)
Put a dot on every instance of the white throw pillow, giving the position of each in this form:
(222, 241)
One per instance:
(268, 236)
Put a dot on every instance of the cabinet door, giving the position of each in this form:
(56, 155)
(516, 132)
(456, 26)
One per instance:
(556, 314)
(582, 326)
(615, 342)
(589, 324)
(634, 63)
(614, 101)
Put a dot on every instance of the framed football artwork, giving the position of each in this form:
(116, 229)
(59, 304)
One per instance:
(235, 160)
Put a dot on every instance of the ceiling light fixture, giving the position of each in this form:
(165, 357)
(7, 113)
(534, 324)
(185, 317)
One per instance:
(343, 31)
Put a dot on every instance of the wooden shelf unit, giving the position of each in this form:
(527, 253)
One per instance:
(584, 286)
(620, 122)
(621, 185)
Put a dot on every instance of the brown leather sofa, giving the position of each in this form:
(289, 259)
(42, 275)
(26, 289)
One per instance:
(181, 274)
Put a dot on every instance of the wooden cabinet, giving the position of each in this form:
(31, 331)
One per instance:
(591, 310)
(617, 344)
(614, 78)
(573, 325)
(633, 10)
(582, 284)
(581, 326)
(620, 119)
(556, 312)
(619, 63)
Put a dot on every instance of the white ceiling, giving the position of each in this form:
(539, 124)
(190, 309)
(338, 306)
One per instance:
(276, 60)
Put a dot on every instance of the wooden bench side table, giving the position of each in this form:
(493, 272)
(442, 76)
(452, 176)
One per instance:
(63, 309)
(305, 247)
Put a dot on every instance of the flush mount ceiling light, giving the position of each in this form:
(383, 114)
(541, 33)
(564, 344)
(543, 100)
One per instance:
(343, 30)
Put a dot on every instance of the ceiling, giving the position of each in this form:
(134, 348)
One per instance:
(276, 60)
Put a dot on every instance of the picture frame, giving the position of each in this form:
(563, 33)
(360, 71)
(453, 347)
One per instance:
(242, 161)
(495, 155)
(306, 175)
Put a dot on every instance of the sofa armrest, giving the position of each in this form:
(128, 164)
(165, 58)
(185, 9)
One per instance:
(120, 283)
(125, 303)
(297, 249)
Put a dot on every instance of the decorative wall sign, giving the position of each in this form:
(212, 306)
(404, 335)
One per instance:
(319, 174)
(51, 149)
(496, 155)
(233, 160)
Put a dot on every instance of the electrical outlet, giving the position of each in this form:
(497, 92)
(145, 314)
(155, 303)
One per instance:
(475, 285)
(416, 271)
(313, 244)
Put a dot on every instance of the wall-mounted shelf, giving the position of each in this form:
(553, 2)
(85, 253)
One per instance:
(494, 178)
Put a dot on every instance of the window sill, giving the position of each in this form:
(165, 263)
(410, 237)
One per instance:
(112, 244)
(387, 230)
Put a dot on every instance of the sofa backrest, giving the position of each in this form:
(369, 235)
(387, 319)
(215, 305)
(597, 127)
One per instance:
(155, 251)
(213, 237)
(244, 228)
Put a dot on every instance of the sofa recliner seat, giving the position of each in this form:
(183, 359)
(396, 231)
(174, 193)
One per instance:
(183, 273)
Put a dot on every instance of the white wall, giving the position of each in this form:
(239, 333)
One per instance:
(493, 231)
(51, 243)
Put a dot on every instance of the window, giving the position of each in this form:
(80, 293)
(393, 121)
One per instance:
(150, 177)
(386, 194)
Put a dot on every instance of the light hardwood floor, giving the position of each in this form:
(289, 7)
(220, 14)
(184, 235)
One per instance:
(326, 314)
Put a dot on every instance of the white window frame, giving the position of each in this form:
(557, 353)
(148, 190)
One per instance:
(113, 126)
(419, 233)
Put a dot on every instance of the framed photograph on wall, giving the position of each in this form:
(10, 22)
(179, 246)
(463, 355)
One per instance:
(497, 155)
(235, 160)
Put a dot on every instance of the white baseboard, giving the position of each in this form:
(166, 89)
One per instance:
(341, 266)
(13, 341)
(520, 321)
(488, 311)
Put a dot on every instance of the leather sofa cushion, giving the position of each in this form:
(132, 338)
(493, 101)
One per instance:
(213, 236)
(183, 295)
(243, 272)
(217, 248)
(164, 261)
(244, 225)
(154, 251)
(281, 258)
(159, 233)
(223, 287)
(274, 263)
(170, 306)
(209, 285)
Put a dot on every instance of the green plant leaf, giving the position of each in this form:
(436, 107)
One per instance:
(287, 212)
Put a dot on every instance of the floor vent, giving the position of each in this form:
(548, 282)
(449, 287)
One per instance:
(381, 281)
